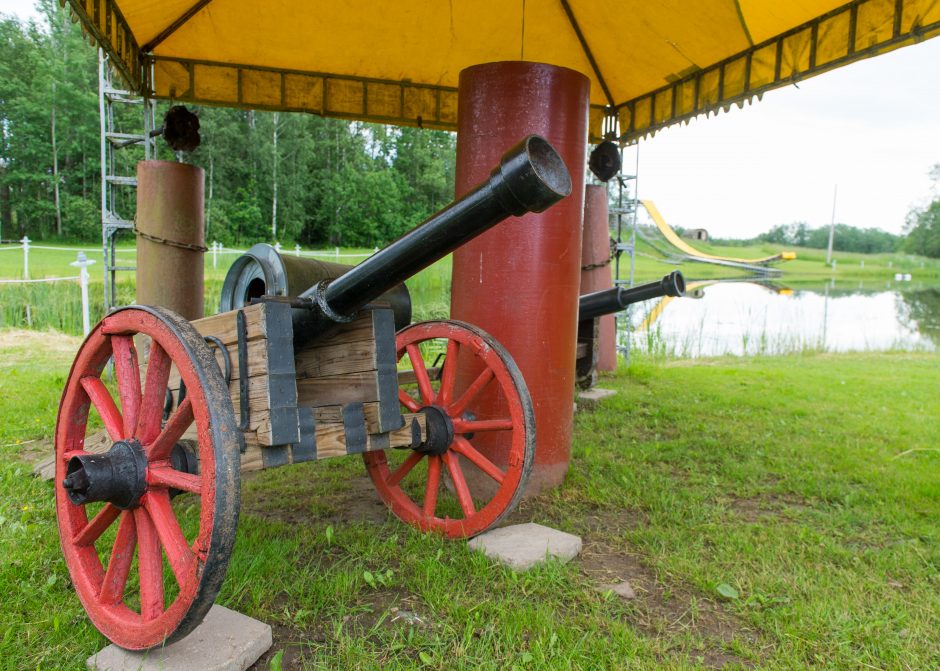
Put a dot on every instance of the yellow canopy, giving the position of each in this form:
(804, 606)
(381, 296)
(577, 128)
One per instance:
(650, 63)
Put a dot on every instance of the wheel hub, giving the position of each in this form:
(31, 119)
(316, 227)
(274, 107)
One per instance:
(439, 431)
(119, 476)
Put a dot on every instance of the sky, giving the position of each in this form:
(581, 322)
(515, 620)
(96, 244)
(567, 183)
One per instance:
(870, 130)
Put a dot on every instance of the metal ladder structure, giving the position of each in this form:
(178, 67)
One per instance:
(117, 189)
(623, 225)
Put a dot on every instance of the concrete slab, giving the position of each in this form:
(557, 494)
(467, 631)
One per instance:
(225, 641)
(522, 546)
(595, 394)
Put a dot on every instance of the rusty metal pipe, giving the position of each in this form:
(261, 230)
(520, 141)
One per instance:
(170, 236)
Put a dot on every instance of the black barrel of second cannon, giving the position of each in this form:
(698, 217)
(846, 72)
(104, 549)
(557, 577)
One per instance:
(530, 177)
(614, 300)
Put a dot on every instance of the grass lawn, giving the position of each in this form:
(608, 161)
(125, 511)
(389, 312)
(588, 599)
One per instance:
(774, 513)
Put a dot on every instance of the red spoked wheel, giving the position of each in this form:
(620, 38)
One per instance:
(477, 492)
(146, 562)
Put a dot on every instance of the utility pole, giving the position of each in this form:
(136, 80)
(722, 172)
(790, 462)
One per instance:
(832, 225)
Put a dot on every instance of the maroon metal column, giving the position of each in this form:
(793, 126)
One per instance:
(595, 269)
(170, 208)
(520, 280)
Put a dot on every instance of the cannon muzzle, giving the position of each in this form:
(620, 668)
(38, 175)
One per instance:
(613, 300)
(530, 177)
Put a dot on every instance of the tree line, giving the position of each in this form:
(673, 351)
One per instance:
(920, 235)
(269, 176)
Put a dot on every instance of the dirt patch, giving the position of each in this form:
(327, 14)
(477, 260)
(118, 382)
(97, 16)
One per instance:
(49, 342)
(381, 609)
(356, 501)
(590, 519)
(755, 509)
(665, 610)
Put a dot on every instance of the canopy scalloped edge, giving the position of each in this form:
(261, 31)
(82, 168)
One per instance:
(827, 42)
(857, 30)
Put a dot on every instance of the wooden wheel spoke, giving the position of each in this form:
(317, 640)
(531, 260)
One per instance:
(178, 552)
(432, 486)
(475, 426)
(404, 469)
(457, 408)
(405, 399)
(151, 407)
(176, 426)
(462, 446)
(170, 478)
(122, 554)
(104, 404)
(460, 484)
(421, 374)
(448, 374)
(88, 534)
(148, 574)
(150, 565)
(127, 371)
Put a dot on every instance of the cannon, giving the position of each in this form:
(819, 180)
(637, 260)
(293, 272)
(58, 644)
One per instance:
(282, 379)
(600, 303)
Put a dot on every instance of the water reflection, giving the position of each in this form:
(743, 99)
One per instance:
(756, 316)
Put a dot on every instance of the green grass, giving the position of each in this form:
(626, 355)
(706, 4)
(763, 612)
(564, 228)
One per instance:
(806, 485)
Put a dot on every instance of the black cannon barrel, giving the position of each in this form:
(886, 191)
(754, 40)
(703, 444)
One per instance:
(530, 177)
(263, 271)
(613, 300)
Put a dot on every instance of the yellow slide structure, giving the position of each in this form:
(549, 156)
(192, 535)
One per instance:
(696, 254)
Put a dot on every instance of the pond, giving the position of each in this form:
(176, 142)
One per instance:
(755, 316)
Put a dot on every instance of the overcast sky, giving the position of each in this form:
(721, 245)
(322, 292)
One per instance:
(872, 128)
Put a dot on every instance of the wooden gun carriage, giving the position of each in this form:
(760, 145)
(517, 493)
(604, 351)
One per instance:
(281, 379)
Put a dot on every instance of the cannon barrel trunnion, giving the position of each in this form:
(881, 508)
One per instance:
(313, 369)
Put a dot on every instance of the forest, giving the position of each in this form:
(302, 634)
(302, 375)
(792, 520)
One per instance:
(291, 178)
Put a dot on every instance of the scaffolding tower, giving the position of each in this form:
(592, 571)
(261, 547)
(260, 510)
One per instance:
(623, 233)
(119, 149)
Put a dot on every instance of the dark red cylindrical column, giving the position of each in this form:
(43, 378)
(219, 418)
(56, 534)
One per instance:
(520, 280)
(595, 269)
(170, 208)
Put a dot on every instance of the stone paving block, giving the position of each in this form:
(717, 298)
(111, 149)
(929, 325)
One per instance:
(595, 394)
(622, 589)
(225, 641)
(522, 546)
